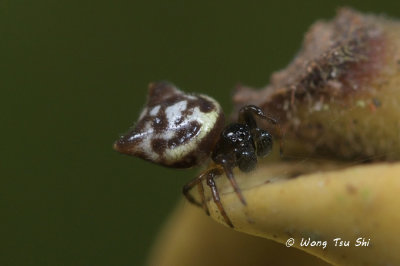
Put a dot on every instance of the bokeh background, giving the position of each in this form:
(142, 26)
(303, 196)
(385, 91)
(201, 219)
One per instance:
(74, 75)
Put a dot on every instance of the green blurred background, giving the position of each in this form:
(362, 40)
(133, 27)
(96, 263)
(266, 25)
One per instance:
(74, 76)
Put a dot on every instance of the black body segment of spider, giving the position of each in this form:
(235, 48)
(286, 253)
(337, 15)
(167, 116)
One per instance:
(239, 145)
(181, 130)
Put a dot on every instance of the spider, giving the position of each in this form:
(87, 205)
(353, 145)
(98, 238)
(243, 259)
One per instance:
(182, 130)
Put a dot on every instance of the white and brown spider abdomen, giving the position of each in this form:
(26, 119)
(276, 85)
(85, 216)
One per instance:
(175, 129)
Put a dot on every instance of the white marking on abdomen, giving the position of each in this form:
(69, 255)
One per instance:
(155, 110)
(174, 112)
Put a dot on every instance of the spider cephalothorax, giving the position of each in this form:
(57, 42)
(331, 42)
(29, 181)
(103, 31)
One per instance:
(182, 130)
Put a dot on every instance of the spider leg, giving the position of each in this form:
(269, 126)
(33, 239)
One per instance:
(203, 198)
(186, 191)
(214, 171)
(209, 175)
(248, 112)
(229, 174)
(217, 200)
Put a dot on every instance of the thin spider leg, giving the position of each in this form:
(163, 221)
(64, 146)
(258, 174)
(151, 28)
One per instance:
(217, 200)
(229, 174)
(281, 138)
(186, 190)
(280, 141)
(203, 198)
(247, 113)
(271, 119)
(198, 181)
